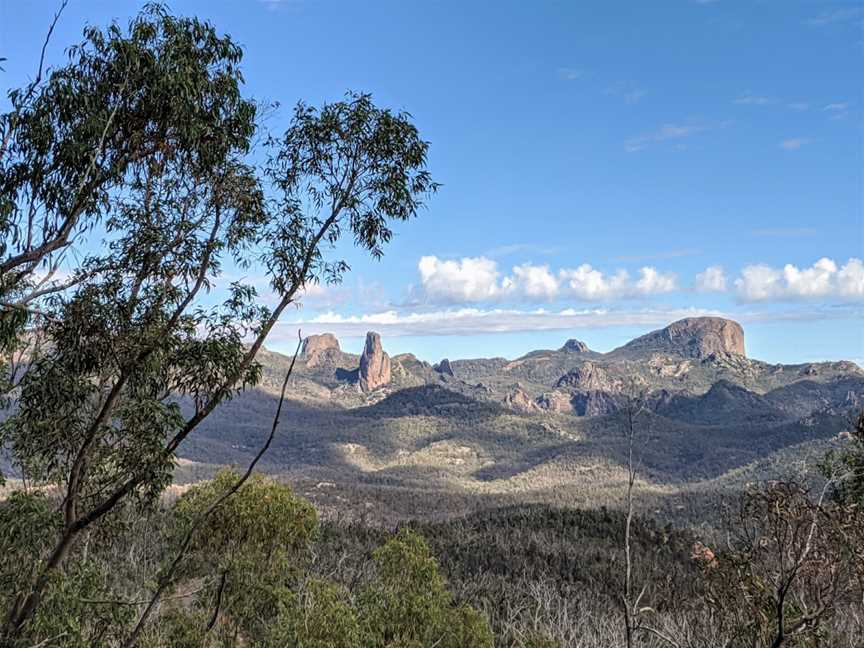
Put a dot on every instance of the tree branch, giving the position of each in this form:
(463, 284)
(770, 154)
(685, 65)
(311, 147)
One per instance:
(187, 540)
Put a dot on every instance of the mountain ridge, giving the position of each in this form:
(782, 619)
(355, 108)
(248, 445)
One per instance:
(546, 421)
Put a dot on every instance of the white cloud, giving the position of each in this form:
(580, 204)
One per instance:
(836, 16)
(713, 279)
(759, 282)
(653, 282)
(654, 256)
(466, 280)
(664, 133)
(629, 91)
(823, 279)
(570, 74)
(534, 282)
(524, 248)
(475, 321)
(479, 280)
(800, 106)
(795, 143)
(785, 231)
(838, 110)
(479, 321)
(850, 279)
(590, 284)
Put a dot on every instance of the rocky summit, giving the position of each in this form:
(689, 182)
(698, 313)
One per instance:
(697, 337)
(315, 347)
(575, 346)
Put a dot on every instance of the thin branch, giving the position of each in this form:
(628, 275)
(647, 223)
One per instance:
(39, 71)
(187, 540)
(27, 309)
(47, 641)
(660, 635)
(219, 592)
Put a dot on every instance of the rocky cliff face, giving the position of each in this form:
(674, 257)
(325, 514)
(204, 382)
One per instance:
(695, 337)
(518, 399)
(315, 348)
(588, 377)
(374, 364)
(556, 401)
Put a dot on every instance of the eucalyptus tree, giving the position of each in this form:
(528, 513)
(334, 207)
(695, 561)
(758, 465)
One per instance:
(139, 149)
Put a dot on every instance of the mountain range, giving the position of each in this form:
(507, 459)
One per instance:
(544, 426)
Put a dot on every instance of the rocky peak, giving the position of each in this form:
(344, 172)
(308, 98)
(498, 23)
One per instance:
(575, 346)
(444, 368)
(374, 364)
(695, 337)
(315, 346)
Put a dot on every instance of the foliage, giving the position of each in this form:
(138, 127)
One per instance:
(255, 553)
(788, 567)
(255, 547)
(845, 468)
(179, 628)
(408, 601)
(143, 139)
(78, 608)
(320, 615)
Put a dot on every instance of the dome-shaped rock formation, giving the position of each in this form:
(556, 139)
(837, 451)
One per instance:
(315, 346)
(575, 346)
(694, 337)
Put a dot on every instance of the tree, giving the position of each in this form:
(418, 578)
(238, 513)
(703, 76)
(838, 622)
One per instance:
(407, 603)
(144, 138)
(787, 569)
(253, 550)
(319, 615)
(845, 468)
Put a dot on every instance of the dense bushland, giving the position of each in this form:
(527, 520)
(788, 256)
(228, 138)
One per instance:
(264, 570)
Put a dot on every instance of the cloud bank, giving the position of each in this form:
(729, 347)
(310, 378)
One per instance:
(473, 321)
(478, 279)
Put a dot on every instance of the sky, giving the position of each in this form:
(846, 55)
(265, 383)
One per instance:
(606, 167)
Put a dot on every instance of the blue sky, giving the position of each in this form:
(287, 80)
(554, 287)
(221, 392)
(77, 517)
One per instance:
(607, 167)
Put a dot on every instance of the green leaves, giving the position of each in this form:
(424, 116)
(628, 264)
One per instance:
(349, 165)
(259, 541)
(408, 602)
